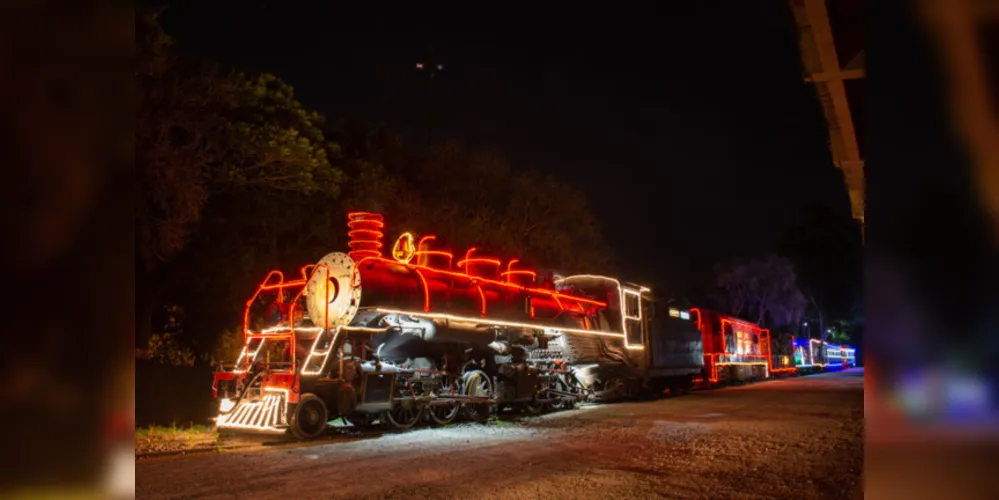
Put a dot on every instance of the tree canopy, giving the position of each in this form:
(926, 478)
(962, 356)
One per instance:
(764, 291)
(202, 133)
(827, 251)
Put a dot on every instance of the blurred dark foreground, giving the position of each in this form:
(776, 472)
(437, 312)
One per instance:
(67, 257)
(932, 263)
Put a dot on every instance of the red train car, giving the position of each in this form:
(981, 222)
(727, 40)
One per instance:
(735, 350)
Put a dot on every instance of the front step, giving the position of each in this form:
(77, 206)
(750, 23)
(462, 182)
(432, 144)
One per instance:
(268, 414)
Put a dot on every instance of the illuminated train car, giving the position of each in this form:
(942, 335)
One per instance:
(735, 350)
(814, 355)
(415, 336)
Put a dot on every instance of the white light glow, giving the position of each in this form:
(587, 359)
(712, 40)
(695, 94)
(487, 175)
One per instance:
(621, 292)
(268, 414)
(324, 353)
(452, 317)
(250, 358)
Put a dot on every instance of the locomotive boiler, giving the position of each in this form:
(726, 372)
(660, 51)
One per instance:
(409, 332)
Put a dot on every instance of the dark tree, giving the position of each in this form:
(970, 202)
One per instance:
(206, 142)
(764, 291)
(827, 251)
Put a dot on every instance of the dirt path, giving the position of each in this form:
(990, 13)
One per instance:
(794, 438)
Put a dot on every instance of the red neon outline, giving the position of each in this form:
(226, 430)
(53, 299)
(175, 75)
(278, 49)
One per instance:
(482, 299)
(468, 261)
(510, 272)
(365, 234)
(426, 290)
(713, 360)
(420, 252)
(537, 291)
(475, 279)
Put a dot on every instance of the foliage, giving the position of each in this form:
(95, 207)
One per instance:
(839, 332)
(167, 349)
(761, 290)
(230, 169)
(229, 346)
(827, 250)
(273, 142)
(175, 438)
(201, 133)
(736, 285)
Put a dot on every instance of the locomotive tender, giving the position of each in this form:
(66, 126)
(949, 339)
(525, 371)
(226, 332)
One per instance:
(414, 336)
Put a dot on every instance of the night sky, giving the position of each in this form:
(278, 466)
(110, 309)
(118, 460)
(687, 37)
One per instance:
(689, 127)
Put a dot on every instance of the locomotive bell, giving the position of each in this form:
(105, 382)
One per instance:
(334, 291)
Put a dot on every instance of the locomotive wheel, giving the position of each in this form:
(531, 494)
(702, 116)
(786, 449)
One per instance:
(403, 416)
(443, 414)
(309, 419)
(446, 413)
(477, 383)
(562, 404)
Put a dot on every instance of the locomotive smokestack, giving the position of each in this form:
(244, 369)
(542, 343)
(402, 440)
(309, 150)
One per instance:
(365, 234)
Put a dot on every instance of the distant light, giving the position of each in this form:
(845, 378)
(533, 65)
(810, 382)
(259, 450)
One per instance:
(804, 324)
(419, 65)
(440, 67)
(684, 315)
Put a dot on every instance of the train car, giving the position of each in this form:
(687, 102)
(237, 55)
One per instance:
(816, 355)
(676, 354)
(735, 350)
(416, 337)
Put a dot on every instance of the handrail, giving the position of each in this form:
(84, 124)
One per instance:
(267, 285)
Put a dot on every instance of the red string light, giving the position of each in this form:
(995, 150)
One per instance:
(713, 360)
(468, 261)
(365, 234)
(510, 272)
(422, 254)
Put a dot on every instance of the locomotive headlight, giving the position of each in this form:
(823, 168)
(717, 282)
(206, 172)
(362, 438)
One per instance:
(685, 315)
(674, 312)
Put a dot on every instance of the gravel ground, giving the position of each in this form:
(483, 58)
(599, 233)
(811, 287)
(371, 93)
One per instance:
(797, 438)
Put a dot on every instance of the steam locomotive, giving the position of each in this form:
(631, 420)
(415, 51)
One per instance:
(415, 337)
